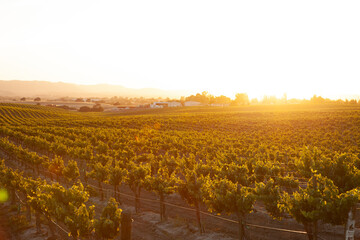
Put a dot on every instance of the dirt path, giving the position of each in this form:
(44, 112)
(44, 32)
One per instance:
(4, 226)
(15, 230)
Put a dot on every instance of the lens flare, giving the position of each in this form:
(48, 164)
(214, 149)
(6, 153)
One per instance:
(4, 196)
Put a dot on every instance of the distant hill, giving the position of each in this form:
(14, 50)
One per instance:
(18, 88)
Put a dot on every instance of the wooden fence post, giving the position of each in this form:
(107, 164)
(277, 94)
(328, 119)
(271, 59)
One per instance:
(126, 225)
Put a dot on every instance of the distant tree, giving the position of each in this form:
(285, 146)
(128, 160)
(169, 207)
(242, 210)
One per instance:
(317, 99)
(270, 100)
(204, 97)
(241, 99)
(182, 100)
(353, 101)
(79, 100)
(66, 107)
(221, 100)
(23, 99)
(340, 101)
(254, 101)
(84, 109)
(97, 108)
(37, 99)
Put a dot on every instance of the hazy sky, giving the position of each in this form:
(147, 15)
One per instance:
(259, 47)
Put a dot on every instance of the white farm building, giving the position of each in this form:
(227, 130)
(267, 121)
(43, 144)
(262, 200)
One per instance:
(165, 104)
(192, 103)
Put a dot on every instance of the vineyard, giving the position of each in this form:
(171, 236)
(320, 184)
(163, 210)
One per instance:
(252, 172)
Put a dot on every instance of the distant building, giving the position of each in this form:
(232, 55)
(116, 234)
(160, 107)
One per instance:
(126, 107)
(165, 104)
(219, 104)
(144, 106)
(174, 104)
(192, 103)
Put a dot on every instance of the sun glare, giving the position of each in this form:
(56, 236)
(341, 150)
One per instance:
(263, 48)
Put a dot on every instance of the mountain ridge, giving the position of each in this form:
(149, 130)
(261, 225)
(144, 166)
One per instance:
(34, 88)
